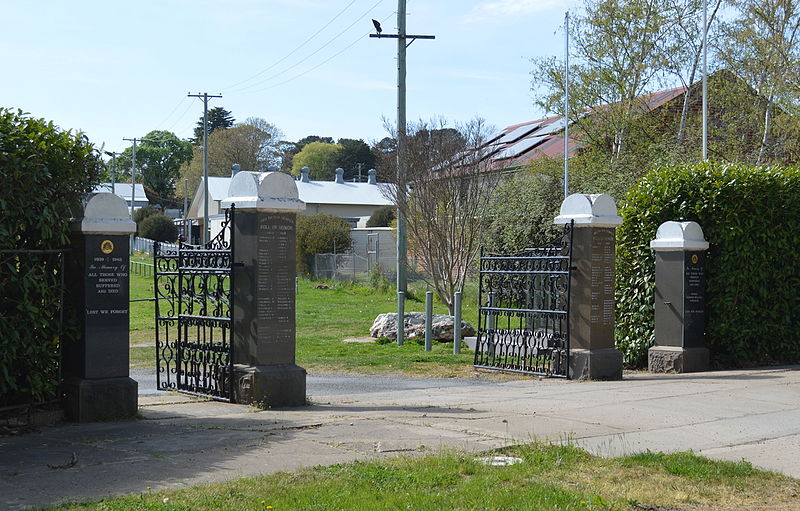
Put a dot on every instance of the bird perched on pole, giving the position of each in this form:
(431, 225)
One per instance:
(377, 26)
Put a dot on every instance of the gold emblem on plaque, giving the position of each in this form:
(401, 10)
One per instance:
(694, 258)
(107, 246)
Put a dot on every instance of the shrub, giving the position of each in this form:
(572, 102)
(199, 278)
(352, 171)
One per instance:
(144, 212)
(158, 227)
(320, 234)
(522, 211)
(749, 216)
(382, 217)
(45, 174)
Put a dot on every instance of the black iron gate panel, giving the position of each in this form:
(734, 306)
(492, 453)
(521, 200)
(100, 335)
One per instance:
(194, 306)
(523, 319)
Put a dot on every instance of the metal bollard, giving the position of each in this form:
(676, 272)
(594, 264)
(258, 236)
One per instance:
(457, 323)
(401, 314)
(428, 319)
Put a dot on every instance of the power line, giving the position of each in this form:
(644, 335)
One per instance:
(294, 50)
(328, 43)
(315, 67)
(170, 114)
(186, 111)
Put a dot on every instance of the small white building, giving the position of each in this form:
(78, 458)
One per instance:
(354, 202)
(123, 190)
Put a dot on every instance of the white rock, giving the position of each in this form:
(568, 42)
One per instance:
(385, 325)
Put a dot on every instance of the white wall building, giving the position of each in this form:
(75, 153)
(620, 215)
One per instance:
(124, 191)
(355, 202)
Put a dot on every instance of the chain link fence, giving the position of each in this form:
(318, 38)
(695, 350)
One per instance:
(373, 249)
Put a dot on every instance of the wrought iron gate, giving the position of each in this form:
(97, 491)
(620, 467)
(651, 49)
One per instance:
(194, 306)
(523, 319)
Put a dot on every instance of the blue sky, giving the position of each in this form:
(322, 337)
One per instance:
(121, 69)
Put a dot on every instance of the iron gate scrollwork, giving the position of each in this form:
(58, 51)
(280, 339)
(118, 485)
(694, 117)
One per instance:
(193, 314)
(523, 319)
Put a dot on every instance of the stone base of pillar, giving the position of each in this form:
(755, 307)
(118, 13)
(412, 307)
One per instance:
(669, 359)
(100, 400)
(270, 386)
(603, 364)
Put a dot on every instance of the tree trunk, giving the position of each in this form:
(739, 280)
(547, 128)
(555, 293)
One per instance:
(765, 135)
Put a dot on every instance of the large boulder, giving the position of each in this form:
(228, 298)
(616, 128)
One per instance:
(385, 325)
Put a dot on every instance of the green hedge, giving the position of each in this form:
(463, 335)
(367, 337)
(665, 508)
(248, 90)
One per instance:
(320, 234)
(44, 174)
(751, 218)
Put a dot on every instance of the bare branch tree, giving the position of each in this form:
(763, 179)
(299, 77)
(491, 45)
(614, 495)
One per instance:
(449, 189)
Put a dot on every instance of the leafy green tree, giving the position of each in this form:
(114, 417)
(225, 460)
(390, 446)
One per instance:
(158, 161)
(320, 158)
(254, 144)
(762, 46)
(290, 149)
(45, 174)
(352, 154)
(218, 119)
(618, 54)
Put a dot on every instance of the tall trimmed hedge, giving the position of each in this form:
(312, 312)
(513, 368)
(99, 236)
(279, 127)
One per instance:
(320, 234)
(751, 218)
(44, 173)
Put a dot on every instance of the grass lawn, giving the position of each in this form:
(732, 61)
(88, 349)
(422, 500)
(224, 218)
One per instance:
(547, 478)
(327, 313)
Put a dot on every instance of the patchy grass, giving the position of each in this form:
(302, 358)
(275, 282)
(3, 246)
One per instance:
(327, 313)
(549, 477)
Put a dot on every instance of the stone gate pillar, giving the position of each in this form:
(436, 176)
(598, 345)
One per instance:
(591, 315)
(263, 287)
(95, 364)
(680, 302)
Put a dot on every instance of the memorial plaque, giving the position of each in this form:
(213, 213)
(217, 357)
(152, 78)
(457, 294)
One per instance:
(106, 302)
(602, 278)
(694, 302)
(275, 284)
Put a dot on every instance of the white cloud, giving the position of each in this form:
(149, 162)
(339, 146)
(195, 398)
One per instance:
(499, 10)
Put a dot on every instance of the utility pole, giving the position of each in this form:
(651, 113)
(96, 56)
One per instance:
(133, 174)
(566, 104)
(113, 170)
(187, 231)
(205, 97)
(401, 37)
(705, 80)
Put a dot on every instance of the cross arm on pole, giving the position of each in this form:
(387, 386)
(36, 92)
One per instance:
(413, 37)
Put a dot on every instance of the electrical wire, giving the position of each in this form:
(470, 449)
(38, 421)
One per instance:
(328, 43)
(318, 65)
(294, 50)
(170, 114)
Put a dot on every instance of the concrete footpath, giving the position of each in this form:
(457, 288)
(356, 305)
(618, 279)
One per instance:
(750, 414)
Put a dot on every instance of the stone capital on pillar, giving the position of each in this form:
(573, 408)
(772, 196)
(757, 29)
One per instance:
(679, 299)
(264, 333)
(591, 315)
(589, 210)
(274, 192)
(95, 365)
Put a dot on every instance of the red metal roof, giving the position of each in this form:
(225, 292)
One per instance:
(547, 139)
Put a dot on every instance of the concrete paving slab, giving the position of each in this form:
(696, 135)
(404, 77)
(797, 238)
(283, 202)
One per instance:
(181, 441)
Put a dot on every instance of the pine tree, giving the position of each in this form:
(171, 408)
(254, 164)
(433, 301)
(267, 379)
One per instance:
(218, 118)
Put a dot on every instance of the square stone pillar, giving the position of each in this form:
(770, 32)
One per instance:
(95, 365)
(591, 313)
(263, 289)
(680, 303)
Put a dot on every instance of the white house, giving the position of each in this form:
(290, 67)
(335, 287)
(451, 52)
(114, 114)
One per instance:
(354, 202)
(124, 191)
